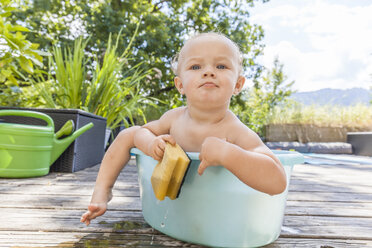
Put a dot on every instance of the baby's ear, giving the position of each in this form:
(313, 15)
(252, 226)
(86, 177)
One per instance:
(179, 85)
(239, 85)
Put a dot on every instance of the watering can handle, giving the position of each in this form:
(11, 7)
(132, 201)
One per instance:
(27, 113)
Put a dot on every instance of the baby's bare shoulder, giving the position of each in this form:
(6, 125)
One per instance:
(242, 135)
(173, 114)
(239, 128)
(163, 125)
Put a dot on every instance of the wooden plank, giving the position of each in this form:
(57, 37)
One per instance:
(324, 173)
(72, 190)
(327, 227)
(88, 175)
(342, 209)
(330, 186)
(61, 239)
(283, 242)
(64, 201)
(128, 180)
(329, 197)
(11, 213)
(55, 239)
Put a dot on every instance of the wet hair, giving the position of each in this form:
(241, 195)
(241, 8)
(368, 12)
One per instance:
(175, 60)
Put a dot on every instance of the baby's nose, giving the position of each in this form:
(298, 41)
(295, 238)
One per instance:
(209, 73)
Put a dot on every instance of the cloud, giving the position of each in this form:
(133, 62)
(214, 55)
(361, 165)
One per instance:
(321, 44)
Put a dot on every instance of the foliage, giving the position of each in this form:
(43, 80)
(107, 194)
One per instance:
(261, 99)
(17, 57)
(164, 25)
(108, 92)
(354, 118)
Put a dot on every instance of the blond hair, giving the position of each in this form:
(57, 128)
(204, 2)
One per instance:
(175, 60)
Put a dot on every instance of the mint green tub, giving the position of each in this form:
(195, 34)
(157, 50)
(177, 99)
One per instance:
(215, 209)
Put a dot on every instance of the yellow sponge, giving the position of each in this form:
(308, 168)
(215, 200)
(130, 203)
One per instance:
(168, 174)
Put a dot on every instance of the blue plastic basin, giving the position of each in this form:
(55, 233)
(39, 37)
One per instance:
(215, 209)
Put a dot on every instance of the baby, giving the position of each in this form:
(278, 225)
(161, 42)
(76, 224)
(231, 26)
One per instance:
(208, 70)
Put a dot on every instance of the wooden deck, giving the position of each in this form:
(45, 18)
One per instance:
(328, 206)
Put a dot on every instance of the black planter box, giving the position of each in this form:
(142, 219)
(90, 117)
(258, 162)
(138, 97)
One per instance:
(86, 151)
(361, 142)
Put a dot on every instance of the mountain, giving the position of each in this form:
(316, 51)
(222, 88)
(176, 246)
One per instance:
(339, 97)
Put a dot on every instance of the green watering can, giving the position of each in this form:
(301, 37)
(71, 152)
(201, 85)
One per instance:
(29, 150)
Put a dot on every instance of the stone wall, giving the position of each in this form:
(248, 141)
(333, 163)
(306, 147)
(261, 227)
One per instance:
(304, 133)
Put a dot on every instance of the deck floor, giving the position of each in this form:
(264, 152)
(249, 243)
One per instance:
(327, 206)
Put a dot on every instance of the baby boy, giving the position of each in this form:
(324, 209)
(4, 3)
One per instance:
(208, 72)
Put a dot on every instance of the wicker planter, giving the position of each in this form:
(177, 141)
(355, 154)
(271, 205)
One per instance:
(86, 151)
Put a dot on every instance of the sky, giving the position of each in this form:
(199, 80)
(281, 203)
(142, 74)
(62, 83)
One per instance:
(322, 43)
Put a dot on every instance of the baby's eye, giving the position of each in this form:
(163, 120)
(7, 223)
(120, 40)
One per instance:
(221, 67)
(195, 67)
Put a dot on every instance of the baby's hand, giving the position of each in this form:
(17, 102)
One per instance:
(210, 153)
(157, 147)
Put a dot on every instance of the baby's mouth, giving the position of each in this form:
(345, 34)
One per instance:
(209, 85)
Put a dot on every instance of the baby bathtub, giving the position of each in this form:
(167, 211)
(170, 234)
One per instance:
(215, 209)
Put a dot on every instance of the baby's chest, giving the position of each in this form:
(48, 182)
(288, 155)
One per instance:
(190, 138)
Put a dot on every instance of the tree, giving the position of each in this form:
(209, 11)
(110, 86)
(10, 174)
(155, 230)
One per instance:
(260, 100)
(164, 25)
(17, 56)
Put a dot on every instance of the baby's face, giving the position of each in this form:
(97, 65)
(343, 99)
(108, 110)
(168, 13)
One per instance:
(209, 70)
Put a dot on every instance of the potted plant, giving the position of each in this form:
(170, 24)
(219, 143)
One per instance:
(105, 89)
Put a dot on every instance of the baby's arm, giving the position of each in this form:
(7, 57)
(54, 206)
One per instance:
(152, 137)
(248, 159)
(116, 157)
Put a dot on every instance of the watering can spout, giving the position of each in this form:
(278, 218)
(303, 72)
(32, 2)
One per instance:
(60, 145)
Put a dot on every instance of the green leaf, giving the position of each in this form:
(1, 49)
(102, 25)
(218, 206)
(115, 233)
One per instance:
(6, 14)
(41, 53)
(6, 73)
(37, 61)
(26, 64)
(18, 28)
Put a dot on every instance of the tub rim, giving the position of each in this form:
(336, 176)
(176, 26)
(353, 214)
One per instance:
(286, 157)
